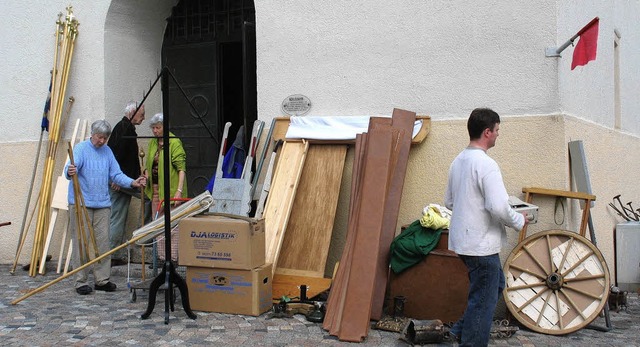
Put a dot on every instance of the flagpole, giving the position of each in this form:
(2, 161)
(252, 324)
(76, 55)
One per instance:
(555, 52)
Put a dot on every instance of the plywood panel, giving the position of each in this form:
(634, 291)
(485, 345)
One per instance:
(308, 235)
(281, 196)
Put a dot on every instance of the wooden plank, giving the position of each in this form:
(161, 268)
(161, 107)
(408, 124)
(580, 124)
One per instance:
(294, 272)
(403, 121)
(560, 193)
(289, 285)
(281, 197)
(335, 302)
(359, 292)
(588, 198)
(282, 125)
(308, 235)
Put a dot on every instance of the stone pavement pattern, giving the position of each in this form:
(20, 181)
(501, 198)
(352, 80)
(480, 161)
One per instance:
(58, 316)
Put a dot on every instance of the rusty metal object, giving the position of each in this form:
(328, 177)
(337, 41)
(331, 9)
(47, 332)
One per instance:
(617, 299)
(395, 324)
(424, 331)
(503, 329)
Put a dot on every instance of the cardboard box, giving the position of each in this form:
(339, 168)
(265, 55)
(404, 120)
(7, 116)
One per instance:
(221, 242)
(246, 292)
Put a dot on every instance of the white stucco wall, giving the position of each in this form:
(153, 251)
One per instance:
(133, 37)
(588, 91)
(27, 48)
(440, 58)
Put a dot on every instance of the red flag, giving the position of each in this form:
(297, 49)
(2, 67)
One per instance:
(587, 46)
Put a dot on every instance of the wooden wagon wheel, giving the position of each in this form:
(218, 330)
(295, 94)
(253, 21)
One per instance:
(551, 269)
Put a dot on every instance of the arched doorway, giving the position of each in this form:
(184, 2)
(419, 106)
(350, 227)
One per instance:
(209, 46)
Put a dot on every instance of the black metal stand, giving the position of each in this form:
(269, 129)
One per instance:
(168, 275)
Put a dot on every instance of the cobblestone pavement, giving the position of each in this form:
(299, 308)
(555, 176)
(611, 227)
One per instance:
(57, 316)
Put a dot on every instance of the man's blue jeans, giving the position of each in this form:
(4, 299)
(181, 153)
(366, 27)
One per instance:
(120, 201)
(486, 282)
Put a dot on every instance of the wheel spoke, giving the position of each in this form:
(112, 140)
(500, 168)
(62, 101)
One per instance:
(560, 323)
(527, 271)
(573, 304)
(525, 286)
(596, 297)
(532, 298)
(564, 256)
(585, 257)
(583, 278)
(550, 255)
(544, 306)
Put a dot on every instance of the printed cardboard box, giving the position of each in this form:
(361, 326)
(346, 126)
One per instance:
(215, 241)
(246, 292)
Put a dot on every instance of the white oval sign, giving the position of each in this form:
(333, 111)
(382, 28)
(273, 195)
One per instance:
(296, 105)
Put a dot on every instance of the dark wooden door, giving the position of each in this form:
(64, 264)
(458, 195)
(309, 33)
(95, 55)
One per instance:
(194, 67)
(206, 47)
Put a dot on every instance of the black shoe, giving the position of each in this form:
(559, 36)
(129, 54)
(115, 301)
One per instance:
(118, 262)
(84, 290)
(107, 287)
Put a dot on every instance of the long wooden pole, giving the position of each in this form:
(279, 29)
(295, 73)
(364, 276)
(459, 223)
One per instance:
(62, 55)
(82, 216)
(54, 214)
(47, 285)
(190, 210)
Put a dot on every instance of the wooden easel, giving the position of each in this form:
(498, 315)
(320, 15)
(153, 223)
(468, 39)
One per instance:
(588, 198)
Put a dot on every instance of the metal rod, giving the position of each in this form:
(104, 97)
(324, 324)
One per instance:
(551, 52)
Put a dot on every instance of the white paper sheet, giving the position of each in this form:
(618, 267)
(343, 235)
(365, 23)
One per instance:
(333, 128)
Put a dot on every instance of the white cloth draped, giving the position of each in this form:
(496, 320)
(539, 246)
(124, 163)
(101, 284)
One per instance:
(333, 128)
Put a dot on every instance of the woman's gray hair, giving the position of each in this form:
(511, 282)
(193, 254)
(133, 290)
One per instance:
(101, 127)
(130, 108)
(156, 119)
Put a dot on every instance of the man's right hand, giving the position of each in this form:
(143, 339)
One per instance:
(526, 218)
(115, 187)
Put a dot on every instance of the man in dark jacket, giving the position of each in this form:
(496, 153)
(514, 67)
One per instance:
(124, 145)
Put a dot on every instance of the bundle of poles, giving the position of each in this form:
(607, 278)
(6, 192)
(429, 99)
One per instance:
(65, 37)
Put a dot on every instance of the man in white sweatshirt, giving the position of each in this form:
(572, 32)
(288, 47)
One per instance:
(479, 201)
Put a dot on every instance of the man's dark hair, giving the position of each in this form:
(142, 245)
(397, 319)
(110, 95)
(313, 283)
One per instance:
(480, 119)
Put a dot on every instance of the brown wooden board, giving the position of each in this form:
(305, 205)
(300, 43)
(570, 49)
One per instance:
(403, 121)
(281, 196)
(307, 238)
(357, 308)
(335, 302)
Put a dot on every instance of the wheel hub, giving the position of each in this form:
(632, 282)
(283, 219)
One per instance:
(554, 281)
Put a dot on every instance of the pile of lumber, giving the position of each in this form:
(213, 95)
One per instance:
(358, 289)
(301, 209)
